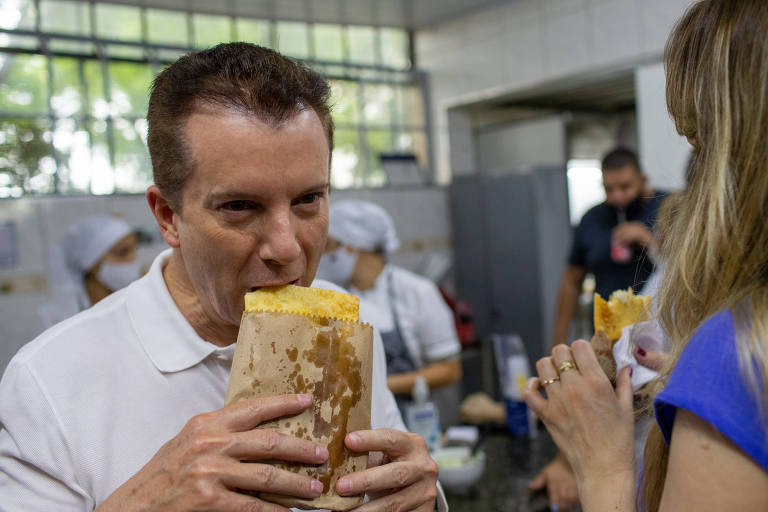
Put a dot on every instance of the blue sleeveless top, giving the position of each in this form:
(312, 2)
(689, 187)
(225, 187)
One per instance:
(708, 382)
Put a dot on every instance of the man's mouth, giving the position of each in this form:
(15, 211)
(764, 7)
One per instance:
(276, 283)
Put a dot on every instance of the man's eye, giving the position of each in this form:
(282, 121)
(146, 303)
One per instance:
(236, 206)
(310, 198)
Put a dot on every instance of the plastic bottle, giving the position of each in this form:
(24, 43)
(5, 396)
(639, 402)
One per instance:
(514, 370)
(422, 416)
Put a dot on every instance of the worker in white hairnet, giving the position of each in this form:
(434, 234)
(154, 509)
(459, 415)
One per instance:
(416, 325)
(95, 257)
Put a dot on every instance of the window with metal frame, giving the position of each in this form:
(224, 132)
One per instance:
(74, 77)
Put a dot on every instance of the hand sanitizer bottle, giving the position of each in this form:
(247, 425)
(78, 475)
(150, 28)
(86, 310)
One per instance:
(422, 416)
(512, 363)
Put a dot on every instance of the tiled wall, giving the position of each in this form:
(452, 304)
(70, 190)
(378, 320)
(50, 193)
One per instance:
(39, 223)
(520, 44)
(663, 151)
(421, 216)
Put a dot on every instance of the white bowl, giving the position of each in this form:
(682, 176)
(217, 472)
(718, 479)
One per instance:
(459, 470)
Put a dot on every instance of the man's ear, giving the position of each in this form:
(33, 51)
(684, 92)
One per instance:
(166, 218)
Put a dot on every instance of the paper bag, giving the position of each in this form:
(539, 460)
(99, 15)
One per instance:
(279, 353)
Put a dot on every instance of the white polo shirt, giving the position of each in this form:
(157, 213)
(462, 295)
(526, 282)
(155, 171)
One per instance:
(90, 401)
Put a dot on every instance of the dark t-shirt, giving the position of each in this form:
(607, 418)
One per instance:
(592, 246)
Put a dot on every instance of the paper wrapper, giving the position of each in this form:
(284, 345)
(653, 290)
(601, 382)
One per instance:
(603, 348)
(331, 360)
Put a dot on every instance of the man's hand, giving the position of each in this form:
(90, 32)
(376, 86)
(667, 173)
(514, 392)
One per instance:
(635, 232)
(408, 481)
(214, 455)
(557, 477)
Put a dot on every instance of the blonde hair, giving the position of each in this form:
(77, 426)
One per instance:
(717, 92)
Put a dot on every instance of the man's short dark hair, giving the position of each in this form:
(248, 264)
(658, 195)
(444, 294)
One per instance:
(619, 158)
(242, 77)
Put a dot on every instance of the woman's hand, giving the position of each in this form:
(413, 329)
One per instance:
(651, 359)
(592, 424)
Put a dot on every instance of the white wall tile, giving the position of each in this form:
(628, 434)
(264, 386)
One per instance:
(541, 41)
(328, 11)
(558, 7)
(657, 17)
(133, 208)
(29, 236)
(484, 63)
(462, 146)
(356, 12)
(419, 214)
(567, 43)
(524, 53)
(57, 213)
(663, 152)
(521, 11)
(19, 323)
(251, 8)
(615, 30)
(390, 12)
(289, 9)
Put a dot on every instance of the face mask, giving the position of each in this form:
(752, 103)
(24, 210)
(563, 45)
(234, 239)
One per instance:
(337, 266)
(118, 275)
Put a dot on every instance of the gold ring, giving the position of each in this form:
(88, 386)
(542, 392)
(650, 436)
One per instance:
(547, 382)
(567, 365)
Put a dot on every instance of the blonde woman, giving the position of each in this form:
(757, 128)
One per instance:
(709, 450)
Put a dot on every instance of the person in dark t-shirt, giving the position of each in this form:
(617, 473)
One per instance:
(613, 238)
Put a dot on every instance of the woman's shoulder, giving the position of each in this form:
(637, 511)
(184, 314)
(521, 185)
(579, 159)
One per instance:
(709, 381)
(718, 327)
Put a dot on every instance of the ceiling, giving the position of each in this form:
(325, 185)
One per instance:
(410, 14)
(598, 93)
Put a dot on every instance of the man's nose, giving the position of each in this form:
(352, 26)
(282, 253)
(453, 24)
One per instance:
(279, 243)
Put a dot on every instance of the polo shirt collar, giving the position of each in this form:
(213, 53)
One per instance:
(166, 336)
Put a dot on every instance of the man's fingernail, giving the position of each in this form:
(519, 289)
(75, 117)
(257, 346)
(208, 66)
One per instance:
(317, 487)
(321, 453)
(641, 352)
(354, 438)
(305, 399)
(344, 485)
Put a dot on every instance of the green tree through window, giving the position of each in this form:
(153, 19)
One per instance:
(73, 97)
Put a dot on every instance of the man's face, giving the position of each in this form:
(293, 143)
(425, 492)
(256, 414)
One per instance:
(255, 208)
(622, 186)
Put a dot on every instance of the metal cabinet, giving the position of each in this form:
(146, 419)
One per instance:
(511, 239)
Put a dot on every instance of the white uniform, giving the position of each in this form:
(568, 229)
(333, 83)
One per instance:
(90, 401)
(81, 246)
(425, 321)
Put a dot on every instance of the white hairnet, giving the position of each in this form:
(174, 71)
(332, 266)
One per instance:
(362, 225)
(81, 246)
